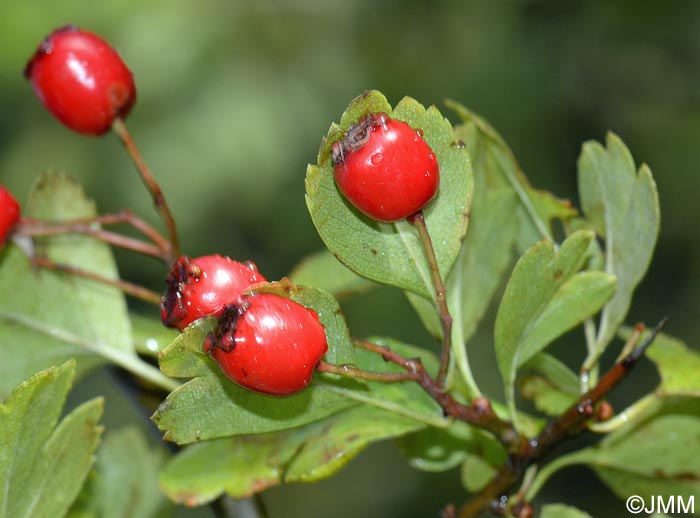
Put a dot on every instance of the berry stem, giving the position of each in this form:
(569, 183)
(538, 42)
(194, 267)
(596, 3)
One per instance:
(28, 228)
(418, 221)
(479, 413)
(134, 290)
(348, 371)
(151, 184)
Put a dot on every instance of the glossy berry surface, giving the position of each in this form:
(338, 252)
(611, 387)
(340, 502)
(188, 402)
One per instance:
(268, 344)
(204, 286)
(385, 168)
(9, 213)
(81, 80)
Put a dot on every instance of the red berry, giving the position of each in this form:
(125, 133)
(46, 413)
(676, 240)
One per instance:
(385, 168)
(204, 286)
(9, 213)
(81, 80)
(268, 344)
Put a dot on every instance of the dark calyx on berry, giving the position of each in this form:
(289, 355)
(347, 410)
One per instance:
(173, 308)
(223, 336)
(357, 136)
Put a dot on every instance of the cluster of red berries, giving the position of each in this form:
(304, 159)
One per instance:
(263, 342)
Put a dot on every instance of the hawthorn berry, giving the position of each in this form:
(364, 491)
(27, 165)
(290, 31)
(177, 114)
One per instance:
(204, 286)
(385, 168)
(268, 344)
(9, 213)
(81, 80)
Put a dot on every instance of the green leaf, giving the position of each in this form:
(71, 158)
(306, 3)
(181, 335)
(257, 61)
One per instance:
(43, 467)
(562, 511)
(476, 473)
(125, 480)
(240, 466)
(546, 396)
(655, 456)
(322, 270)
(435, 449)
(59, 197)
(555, 389)
(245, 465)
(211, 405)
(391, 253)
(536, 209)
(555, 371)
(50, 316)
(505, 210)
(678, 366)
(545, 297)
(623, 207)
(338, 439)
(40, 304)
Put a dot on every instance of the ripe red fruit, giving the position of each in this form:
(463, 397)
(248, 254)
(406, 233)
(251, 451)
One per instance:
(268, 344)
(9, 213)
(81, 80)
(204, 286)
(385, 168)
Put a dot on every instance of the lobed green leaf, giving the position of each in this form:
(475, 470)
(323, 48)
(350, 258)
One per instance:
(125, 479)
(50, 316)
(43, 467)
(245, 465)
(678, 366)
(622, 206)
(435, 449)
(391, 253)
(545, 297)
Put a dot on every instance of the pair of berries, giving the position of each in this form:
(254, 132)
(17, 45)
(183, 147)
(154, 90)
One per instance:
(9, 214)
(263, 342)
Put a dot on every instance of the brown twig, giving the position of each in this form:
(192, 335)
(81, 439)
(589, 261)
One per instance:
(123, 216)
(349, 371)
(571, 422)
(418, 221)
(112, 238)
(151, 184)
(129, 288)
(479, 413)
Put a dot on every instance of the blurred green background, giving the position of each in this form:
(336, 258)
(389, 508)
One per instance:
(234, 97)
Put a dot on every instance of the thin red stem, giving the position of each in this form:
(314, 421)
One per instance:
(129, 288)
(418, 221)
(349, 371)
(479, 413)
(111, 238)
(151, 184)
